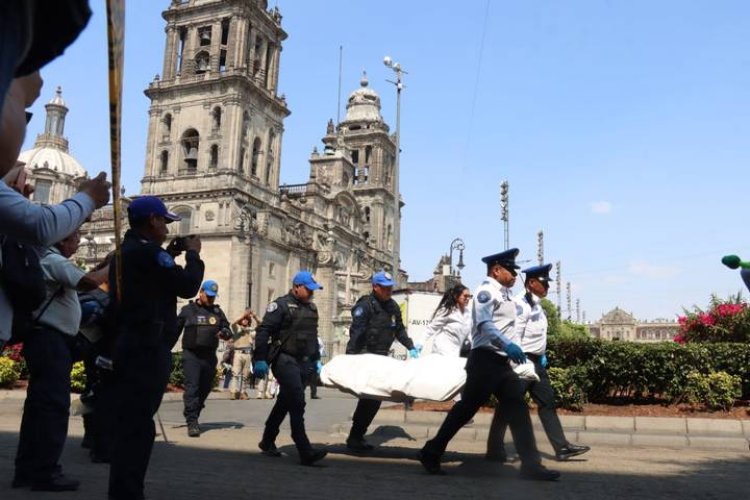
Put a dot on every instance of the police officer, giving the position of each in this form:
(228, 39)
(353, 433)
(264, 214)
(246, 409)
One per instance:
(376, 322)
(202, 323)
(531, 331)
(488, 371)
(146, 319)
(291, 325)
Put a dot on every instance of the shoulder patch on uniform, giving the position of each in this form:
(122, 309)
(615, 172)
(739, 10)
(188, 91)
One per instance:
(272, 307)
(164, 259)
(483, 297)
(358, 312)
(519, 310)
(313, 307)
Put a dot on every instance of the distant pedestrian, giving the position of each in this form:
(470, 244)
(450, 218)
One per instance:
(450, 325)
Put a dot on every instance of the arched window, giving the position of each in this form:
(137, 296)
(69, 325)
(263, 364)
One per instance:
(255, 157)
(164, 162)
(166, 125)
(190, 147)
(201, 62)
(367, 214)
(366, 236)
(213, 161)
(245, 124)
(216, 115)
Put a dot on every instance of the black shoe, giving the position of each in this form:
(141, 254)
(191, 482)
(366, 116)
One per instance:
(539, 473)
(193, 429)
(358, 444)
(430, 462)
(56, 483)
(312, 456)
(269, 450)
(570, 450)
(314, 397)
(496, 456)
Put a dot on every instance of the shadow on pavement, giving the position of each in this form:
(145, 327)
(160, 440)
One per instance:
(229, 465)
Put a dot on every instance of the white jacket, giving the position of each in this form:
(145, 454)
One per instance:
(448, 331)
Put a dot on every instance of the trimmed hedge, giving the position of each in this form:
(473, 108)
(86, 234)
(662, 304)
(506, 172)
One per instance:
(633, 371)
(9, 372)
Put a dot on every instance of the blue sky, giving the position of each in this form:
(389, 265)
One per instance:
(622, 127)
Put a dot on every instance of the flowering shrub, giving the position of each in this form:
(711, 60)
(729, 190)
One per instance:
(77, 377)
(15, 352)
(725, 321)
(9, 372)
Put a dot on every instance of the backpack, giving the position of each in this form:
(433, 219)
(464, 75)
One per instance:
(23, 281)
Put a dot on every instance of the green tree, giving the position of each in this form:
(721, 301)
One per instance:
(553, 319)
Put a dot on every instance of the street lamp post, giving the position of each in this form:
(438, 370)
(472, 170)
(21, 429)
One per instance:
(456, 244)
(399, 72)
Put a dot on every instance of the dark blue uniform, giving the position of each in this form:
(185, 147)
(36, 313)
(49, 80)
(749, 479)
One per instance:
(375, 325)
(292, 328)
(201, 324)
(146, 320)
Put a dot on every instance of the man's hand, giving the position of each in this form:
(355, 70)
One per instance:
(224, 334)
(175, 246)
(97, 188)
(413, 353)
(318, 367)
(515, 353)
(193, 243)
(260, 369)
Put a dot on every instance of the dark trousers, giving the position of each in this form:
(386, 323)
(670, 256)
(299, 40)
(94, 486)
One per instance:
(44, 425)
(290, 373)
(488, 373)
(312, 380)
(199, 367)
(140, 378)
(363, 417)
(544, 396)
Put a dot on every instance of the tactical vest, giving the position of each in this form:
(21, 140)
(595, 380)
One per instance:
(201, 328)
(299, 335)
(381, 329)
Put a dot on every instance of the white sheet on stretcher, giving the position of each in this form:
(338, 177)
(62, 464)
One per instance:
(433, 377)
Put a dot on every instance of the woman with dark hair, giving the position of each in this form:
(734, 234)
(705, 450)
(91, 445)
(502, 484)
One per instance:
(451, 322)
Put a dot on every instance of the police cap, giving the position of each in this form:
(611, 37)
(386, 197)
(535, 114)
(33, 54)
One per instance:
(507, 259)
(539, 272)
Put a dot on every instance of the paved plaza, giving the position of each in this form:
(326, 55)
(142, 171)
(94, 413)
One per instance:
(224, 462)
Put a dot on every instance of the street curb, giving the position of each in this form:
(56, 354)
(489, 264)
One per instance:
(667, 432)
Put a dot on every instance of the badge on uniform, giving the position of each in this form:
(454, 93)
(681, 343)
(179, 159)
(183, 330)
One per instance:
(212, 320)
(165, 260)
(519, 310)
(358, 311)
(483, 297)
(272, 307)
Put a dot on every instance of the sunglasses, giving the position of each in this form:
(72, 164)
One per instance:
(29, 115)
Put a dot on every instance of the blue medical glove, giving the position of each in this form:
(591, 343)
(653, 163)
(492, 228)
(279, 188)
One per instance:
(515, 353)
(260, 370)
(413, 353)
(318, 367)
(418, 347)
(544, 361)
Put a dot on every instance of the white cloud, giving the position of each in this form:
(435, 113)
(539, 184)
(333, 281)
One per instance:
(646, 270)
(601, 207)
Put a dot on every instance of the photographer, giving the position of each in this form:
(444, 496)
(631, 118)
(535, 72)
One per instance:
(204, 323)
(243, 340)
(146, 329)
(49, 349)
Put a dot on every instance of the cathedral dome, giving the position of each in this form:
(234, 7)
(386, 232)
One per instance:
(54, 159)
(363, 104)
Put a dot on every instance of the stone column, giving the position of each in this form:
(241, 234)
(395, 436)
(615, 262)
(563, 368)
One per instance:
(170, 53)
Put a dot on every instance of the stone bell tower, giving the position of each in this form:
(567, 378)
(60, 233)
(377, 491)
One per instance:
(214, 131)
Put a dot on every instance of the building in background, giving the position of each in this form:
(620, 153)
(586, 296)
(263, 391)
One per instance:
(620, 325)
